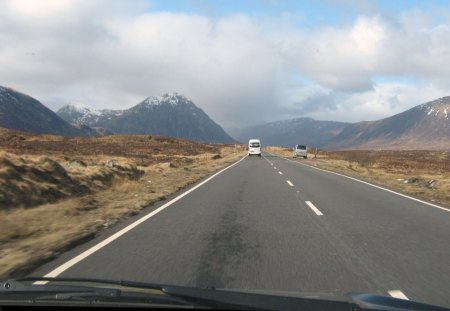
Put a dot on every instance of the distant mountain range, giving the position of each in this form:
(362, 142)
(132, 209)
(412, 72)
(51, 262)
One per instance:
(425, 126)
(24, 113)
(169, 115)
(305, 131)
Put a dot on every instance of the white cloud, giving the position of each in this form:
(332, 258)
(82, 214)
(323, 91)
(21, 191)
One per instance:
(39, 8)
(239, 69)
(385, 100)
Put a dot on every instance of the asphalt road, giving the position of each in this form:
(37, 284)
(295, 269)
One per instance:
(275, 224)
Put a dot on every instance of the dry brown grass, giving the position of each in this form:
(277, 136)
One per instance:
(36, 226)
(288, 152)
(31, 180)
(423, 174)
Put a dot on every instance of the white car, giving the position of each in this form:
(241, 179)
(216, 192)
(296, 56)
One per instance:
(300, 151)
(254, 147)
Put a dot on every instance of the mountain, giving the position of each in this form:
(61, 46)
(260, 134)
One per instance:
(425, 126)
(24, 113)
(78, 114)
(169, 115)
(287, 133)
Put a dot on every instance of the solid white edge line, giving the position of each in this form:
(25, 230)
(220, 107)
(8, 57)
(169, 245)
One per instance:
(397, 294)
(281, 173)
(315, 209)
(290, 183)
(367, 183)
(118, 234)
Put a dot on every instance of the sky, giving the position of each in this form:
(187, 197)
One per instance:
(243, 62)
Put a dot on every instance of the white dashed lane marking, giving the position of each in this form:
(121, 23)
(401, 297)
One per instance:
(290, 183)
(315, 209)
(367, 183)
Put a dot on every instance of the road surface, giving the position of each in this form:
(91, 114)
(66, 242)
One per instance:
(276, 224)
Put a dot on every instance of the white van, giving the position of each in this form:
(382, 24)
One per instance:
(300, 151)
(254, 147)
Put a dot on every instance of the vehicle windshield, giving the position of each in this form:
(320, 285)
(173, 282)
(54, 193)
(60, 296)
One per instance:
(131, 145)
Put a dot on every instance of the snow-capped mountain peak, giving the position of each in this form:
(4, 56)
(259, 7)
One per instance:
(439, 108)
(81, 108)
(78, 105)
(22, 112)
(167, 98)
(80, 114)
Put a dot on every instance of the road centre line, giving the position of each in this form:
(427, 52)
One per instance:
(290, 183)
(281, 173)
(274, 168)
(118, 234)
(369, 184)
(397, 294)
(315, 209)
(267, 160)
